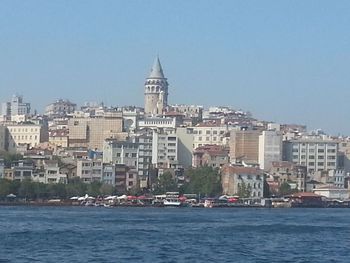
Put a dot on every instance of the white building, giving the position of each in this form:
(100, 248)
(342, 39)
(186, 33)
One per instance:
(120, 152)
(52, 173)
(90, 170)
(15, 107)
(164, 149)
(332, 192)
(317, 154)
(270, 148)
(157, 122)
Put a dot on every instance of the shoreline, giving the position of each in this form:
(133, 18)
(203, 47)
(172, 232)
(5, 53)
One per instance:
(68, 204)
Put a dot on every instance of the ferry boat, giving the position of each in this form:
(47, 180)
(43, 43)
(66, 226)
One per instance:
(175, 202)
(172, 199)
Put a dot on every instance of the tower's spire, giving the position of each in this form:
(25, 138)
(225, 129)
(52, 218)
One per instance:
(156, 71)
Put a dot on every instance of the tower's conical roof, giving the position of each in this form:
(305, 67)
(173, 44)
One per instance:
(156, 71)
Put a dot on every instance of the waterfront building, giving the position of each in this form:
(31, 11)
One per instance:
(156, 90)
(244, 146)
(332, 192)
(60, 108)
(21, 170)
(52, 173)
(23, 135)
(270, 148)
(126, 178)
(89, 170)
(288, 172)
(234, 178)
(214, 156)
(108, 176)
(317, 154)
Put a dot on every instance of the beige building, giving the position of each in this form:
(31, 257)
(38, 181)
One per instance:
(28, 135)
(244, 146)
(91, 132)
(210, 133)
(59, 138)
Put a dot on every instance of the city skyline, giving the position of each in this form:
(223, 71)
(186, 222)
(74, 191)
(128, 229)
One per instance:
(284, 62)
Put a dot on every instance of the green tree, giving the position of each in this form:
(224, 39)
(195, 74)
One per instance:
(93, 189)
(244, 190)
(165, 183)
(107, 189)
(205, 181)
(285, 189)
(27, 189)
(5, 188)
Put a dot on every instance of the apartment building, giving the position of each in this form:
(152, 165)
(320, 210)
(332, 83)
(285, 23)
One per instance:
(89, 170)
(317, 154)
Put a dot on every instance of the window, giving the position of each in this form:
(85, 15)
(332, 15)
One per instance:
(133, 155)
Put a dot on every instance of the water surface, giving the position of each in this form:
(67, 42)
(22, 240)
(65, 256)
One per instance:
(89, 234)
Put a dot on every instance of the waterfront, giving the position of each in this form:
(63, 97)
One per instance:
(89, 234)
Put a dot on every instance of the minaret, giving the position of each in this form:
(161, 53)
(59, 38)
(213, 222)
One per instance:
(156, 90)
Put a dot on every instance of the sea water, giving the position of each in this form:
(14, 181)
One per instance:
(93, 234)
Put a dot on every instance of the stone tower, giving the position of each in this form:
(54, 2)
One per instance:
(156, 90)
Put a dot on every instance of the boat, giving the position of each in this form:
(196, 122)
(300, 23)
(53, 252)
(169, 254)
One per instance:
(174, 202)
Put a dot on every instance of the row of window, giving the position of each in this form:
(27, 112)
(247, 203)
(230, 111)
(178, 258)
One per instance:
(25, 137)
(295, 150)
(23, 129)
(208, 132)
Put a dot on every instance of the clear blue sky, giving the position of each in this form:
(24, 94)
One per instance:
(285, 61)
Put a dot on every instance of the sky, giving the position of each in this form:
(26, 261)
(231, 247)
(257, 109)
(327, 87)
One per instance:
(284, 61)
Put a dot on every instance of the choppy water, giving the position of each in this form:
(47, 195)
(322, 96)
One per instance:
(84, 234)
